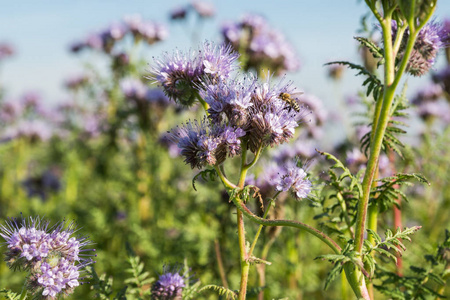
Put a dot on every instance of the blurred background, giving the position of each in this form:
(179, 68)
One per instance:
(82, 130)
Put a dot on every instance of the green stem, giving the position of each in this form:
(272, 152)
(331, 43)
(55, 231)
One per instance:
(245, 265)
(228, 184)
(269, 206)
(203, 103)
(390, 85)
(288, 223)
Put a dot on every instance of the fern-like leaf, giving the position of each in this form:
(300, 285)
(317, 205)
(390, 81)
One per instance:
(222, 291)
(376, 51)
(386, 193)
(9, 295)
(374, 85)
(207, 174)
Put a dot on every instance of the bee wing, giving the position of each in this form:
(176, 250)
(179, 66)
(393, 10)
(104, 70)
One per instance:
(295, 95)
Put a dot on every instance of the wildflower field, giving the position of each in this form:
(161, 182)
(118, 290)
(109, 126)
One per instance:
(201, 154)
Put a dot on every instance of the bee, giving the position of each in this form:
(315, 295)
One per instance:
(292, 103)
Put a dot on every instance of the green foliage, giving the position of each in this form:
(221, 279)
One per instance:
(390, 139)
(349, 256)
(376, 51)
(207, 174)
(421, 282)
(222, 291)
(139, 283)
(387, 190)
(9, 295)
(374, 85)
(191, 291)
(339, 198)
(391, 241)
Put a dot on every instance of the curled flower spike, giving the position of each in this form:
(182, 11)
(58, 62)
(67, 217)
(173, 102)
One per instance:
(53, 256)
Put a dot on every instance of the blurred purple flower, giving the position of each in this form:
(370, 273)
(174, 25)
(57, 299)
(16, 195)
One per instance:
(42, 185)
(263, 46)
(431, 38)
(203, 9)
(178, 13)
(443, 78)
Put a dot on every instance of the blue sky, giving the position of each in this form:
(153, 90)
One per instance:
(41, 32)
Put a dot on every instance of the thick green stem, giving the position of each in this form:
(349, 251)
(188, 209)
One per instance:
(245, 265)
(390, 84)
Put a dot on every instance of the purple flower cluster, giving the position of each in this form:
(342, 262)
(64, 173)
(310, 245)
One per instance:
(180, 73)
(105, 39)
(263, 46)
(429, 105)
(431, 38)
(136, 90)
(294, 179)
(443, 79)
(203, 143)
(203, 9)
(53, 256)
(169, 285)
(255, 107)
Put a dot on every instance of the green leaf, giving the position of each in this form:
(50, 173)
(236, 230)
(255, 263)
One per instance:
(222, 291)
(207, 174)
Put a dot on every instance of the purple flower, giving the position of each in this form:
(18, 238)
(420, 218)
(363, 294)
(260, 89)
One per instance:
(430, 93)
(10, 111)
(51, 255)
(75, 82)
(203, 143)
(432, 37)
(294, 179)
(265, 47)
(178, 13)
(180, 74)
(150, 32)
(43, 184)
(255, 107)
(169, 285)
(443, 78)
(203, 9)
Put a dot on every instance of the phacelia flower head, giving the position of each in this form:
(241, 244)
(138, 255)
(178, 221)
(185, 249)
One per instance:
(264, 46)
(180, 73)
(294, 179)
(169, 285)
(52, 255)
(203, 143)
(256, 107)
(431, 38)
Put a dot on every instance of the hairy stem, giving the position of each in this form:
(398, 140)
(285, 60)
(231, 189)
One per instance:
(245, 265)
(287, 223)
